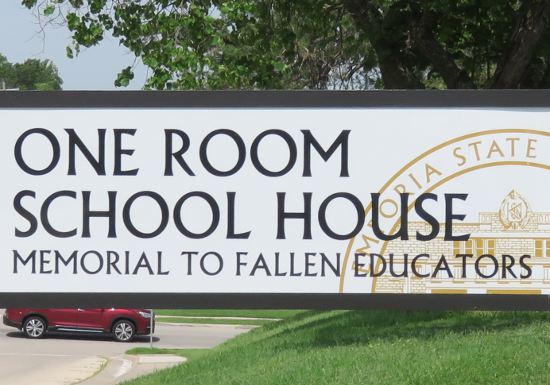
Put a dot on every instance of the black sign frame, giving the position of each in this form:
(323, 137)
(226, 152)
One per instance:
(277, 99)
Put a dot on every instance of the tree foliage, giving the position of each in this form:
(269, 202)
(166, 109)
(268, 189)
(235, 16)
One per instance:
(32, 74)
(314, 44)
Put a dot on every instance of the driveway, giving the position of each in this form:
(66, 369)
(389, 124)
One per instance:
(61, 359)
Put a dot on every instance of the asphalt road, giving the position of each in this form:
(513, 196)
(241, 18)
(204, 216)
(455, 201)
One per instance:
(56, 359)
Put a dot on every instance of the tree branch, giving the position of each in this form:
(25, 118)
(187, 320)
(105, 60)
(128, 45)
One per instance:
(522, 43)
(441, 61)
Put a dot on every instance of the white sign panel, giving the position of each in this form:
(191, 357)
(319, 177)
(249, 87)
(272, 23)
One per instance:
(275, 200)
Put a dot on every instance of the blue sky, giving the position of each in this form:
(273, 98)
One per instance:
(94, 69)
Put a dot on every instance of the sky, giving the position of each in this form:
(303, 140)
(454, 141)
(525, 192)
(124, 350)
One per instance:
(95, 68)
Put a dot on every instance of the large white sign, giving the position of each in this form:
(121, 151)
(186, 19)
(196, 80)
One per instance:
(275, 200)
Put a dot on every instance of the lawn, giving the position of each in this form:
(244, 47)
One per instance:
(377, 347)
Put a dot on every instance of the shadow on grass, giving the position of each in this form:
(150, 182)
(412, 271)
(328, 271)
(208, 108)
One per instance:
(364, 327)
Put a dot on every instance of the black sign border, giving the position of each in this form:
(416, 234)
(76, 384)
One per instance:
(277, 99)
(320, 301)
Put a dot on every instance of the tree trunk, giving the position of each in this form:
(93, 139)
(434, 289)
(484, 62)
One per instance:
(386, 45)
(440, 60)
(522, 43)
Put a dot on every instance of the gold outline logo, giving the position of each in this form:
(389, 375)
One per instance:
(514, 211)
(488, 151)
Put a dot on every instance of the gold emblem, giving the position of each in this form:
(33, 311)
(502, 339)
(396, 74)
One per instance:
(514, 211)
(514, 229)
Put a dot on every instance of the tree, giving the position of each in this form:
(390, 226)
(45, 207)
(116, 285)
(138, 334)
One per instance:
(314, 44)
(32, 74)
(7, 77)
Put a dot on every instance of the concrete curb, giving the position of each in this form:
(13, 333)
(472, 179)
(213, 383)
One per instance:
(160, 359)
(125, 367)
(218, 318)
(246, 327)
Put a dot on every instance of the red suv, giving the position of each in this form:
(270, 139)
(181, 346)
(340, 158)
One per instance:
(123, 324)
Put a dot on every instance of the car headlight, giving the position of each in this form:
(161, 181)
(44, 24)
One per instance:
(144, 314)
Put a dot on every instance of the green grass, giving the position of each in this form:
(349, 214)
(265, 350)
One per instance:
(215, 321)
(230, 313)
(190, 354)
(378, 347)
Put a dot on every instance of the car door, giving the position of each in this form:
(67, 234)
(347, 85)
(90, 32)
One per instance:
(90, 319)
(63, 317)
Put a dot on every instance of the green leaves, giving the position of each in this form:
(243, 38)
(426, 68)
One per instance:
(310, 44)
(96, 6)
(73, 21)
(49, 10)
(29, 3)
(124, 77)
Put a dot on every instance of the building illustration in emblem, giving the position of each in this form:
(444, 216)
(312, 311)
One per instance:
(514, 230)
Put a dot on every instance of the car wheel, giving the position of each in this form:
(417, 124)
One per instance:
(34, 327)
(124, 330)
